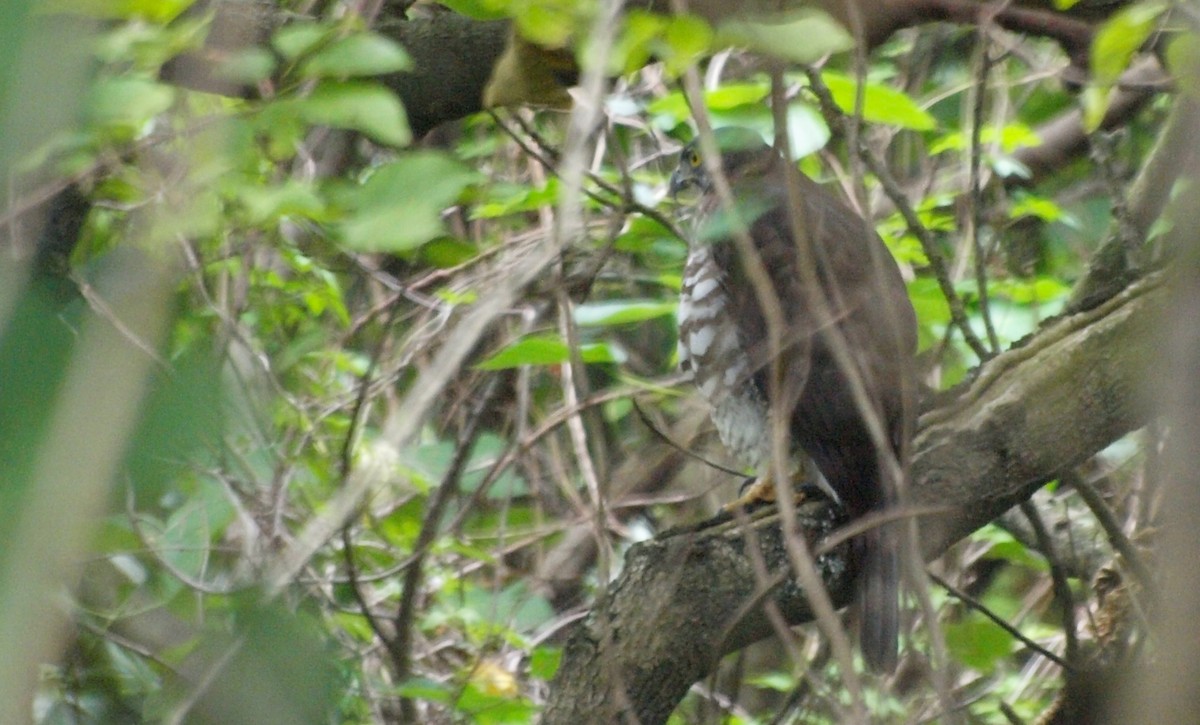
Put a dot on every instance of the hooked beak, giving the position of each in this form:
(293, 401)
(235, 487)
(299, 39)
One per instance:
(679, 182)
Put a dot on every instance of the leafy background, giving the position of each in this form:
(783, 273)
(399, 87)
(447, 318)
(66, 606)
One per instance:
(265, 295)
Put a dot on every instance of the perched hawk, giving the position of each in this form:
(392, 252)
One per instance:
(839, 301)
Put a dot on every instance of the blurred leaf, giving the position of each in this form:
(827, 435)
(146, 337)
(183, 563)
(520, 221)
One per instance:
(296, 39)
(1113, 47)
(777, 681)
(489, 709)
(275, 668)
(544, 662)
(124, 106)
(399, 206)
(1183, 60)
(513, 607)
(881, 104)
(977, 642)
(687, 39)
(292, 198)
(545, 350)
(247, 66)
(445, 253)
(369, 108)
(802, 36)
(158, 11)
(1011, 137)
(478, 9)
(512, 198)
(1119, 38)
(1035, 206)
(183, 417)
(726, 97)
(621, 312)
(361, 54)
(423, 688)
(493, 679)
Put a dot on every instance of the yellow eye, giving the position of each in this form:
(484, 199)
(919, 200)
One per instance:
(694, 158)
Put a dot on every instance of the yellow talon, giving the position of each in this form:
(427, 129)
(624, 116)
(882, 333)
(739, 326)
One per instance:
(760, 492)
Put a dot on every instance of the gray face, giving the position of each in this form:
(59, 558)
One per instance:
(737, 145)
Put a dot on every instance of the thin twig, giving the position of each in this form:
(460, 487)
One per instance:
(345, 465)
(983, 609)
(1058, 576)
(1112, 528)
(400, 648)
(976, 186)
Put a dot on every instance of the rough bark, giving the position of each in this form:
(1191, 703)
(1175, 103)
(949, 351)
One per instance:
(1038, 409)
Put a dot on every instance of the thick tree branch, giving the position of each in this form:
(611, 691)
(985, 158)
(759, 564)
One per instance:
(685, 600)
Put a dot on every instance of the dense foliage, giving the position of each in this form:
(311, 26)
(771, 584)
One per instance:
(309, 420)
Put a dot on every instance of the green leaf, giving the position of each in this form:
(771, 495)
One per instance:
(546, 350)
(276, 666)
(423, 688)
(126, 105)
(777, 681)
(1035, 206)
(512, 199)
(687, 39)
(296, 39)
(247, 66)
(1119, 38)
(477, 9)
(292, 198)
(399, 207)
(159, 11)
(369, 108)
(1113, 48)
(977, 642)
(621, 312)
(544, 662)
(733, 95)
(361, 54)
(1183, 59)
(1011, 137)
(803, 36)
(881, 104)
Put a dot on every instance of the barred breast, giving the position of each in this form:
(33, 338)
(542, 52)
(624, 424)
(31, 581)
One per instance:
(712, 353)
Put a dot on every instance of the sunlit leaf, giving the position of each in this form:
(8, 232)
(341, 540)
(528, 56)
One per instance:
(977, 642)
(881, 104)
(546, 350)
(159, 11)
(1113, 48)
(544, 662)
(1035, 206)
(621, 312)
(1120, 37)
(777, 681)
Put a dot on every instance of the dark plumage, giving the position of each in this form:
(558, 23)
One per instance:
(836, 283)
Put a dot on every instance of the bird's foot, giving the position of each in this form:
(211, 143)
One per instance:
(759, 492)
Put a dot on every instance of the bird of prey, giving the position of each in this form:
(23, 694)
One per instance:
(813, 282)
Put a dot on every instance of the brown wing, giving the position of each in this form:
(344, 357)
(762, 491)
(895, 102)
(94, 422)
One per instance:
(843, 282)
(838, 282)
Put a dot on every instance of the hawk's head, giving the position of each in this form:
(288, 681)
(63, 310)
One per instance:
(740, 147)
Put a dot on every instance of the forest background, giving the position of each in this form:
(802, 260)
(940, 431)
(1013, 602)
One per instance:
(338, 383)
